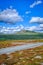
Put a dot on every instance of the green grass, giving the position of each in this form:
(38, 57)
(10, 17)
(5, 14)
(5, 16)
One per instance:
(22, 35)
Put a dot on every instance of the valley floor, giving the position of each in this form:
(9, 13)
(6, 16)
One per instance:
(10, 43)
(33, 56)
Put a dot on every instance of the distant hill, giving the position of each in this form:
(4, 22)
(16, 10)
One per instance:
(26, 32)
(22, 35)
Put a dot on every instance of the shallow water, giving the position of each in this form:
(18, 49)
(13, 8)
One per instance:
(18, 48)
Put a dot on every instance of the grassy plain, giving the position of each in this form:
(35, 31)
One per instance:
(9, 43)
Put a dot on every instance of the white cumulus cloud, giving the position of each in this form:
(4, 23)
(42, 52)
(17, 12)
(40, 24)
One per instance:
(35, 28)
(35, 3)
(41, 25)
(31, 28)
(10, 30)
(27, 12)
(10, 15)
(36, 20)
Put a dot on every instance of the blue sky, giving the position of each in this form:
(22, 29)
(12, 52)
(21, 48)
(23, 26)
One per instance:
(26, 14)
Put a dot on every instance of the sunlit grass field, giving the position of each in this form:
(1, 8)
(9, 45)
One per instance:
(9, 43)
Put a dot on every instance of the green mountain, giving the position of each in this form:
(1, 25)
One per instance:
(22, 35)
(26, 32)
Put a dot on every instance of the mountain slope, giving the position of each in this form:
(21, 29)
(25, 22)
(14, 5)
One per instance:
(22, 35)
(26, 32)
